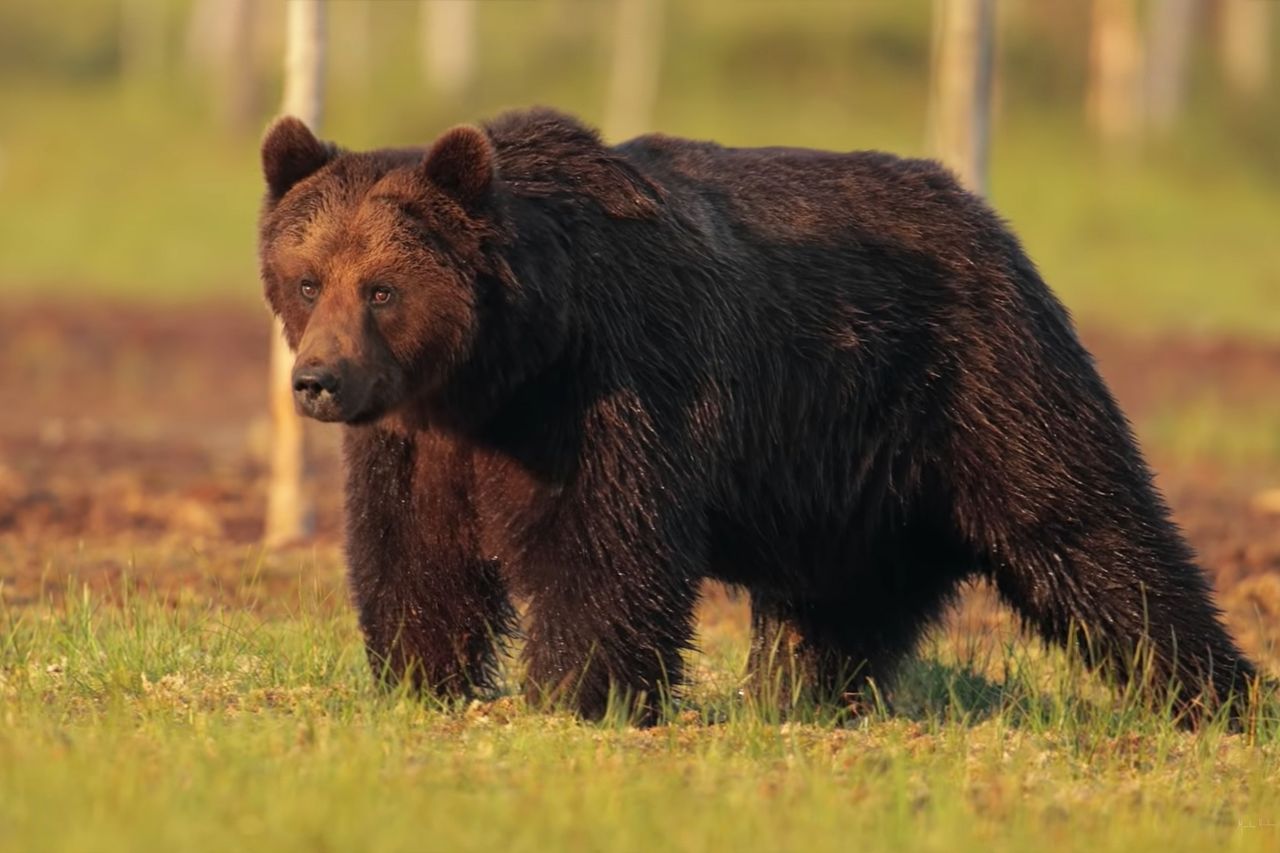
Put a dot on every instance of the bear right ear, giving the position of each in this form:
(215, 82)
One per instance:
(291, 152)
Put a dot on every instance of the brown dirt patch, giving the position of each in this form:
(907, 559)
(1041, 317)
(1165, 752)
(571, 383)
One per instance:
(132, 445)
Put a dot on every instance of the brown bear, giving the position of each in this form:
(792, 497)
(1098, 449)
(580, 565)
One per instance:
(594, 376)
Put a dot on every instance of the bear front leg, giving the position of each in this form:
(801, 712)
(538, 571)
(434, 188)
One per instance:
(610, 621)
(437, 626)
(605, 641)
(434, 613)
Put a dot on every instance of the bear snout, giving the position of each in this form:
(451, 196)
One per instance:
(316, 392)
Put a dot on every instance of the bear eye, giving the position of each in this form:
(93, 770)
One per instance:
(381, 294)
(310, 290)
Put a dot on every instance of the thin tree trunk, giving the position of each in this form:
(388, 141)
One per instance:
(1115, 71)
(220, 48)
(203, 36)
(637, 64)
(1168, 59)
(237, 81)
(290, 516)
(963, 72)
(1245, 40)
(448, 45)
(304, 61)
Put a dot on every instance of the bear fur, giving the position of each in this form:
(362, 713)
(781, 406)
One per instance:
(591, 377)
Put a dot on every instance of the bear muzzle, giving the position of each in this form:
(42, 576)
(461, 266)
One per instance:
(317, 392)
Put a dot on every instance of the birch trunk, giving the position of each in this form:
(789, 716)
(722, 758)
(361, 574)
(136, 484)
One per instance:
(960, 102)
(637, 62)
(1115, 71)
(1168, 57)
(448, 45)
(290, 516)
(1245, 39)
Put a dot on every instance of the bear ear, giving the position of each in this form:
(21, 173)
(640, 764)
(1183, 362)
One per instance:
(461, 164)
(291, 152)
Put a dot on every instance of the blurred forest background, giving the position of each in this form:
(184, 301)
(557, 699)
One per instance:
(1135, 146)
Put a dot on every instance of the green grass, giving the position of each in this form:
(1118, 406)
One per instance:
(151, 723)
(1235, 437)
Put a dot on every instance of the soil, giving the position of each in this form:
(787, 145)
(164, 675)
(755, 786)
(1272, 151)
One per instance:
(126, 430)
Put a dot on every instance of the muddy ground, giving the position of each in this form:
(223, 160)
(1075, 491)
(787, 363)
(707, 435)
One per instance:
(127, 432)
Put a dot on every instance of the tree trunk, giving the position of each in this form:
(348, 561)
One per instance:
(1168, 60)
(963, 72)
(637, 63)
(448, 45)
(304, 61)
(1115, 71)
(203, 36)
(290, 516)
(220, 47)
(237, 80)
(1245, 40)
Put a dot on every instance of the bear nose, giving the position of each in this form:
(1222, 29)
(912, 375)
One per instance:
(315, 389)
(314, 381)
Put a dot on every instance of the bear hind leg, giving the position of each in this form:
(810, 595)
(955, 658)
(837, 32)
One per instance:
(1118, 582)
(844, 650)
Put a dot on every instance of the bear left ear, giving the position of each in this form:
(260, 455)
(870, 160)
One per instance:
(291, 152)
(461, 164)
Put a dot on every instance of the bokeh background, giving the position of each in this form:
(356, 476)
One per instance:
(128, 128)
(133, 340)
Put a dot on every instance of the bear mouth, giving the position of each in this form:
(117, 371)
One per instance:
(375, 405)
(326, 410)
(365, 416)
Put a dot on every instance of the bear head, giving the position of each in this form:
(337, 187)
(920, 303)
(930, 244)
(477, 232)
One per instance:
(379, 264)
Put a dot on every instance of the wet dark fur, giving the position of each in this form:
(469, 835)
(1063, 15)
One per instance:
(833, 380)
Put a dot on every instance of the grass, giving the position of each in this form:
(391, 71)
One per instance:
(1235, 437)
(134, 720)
